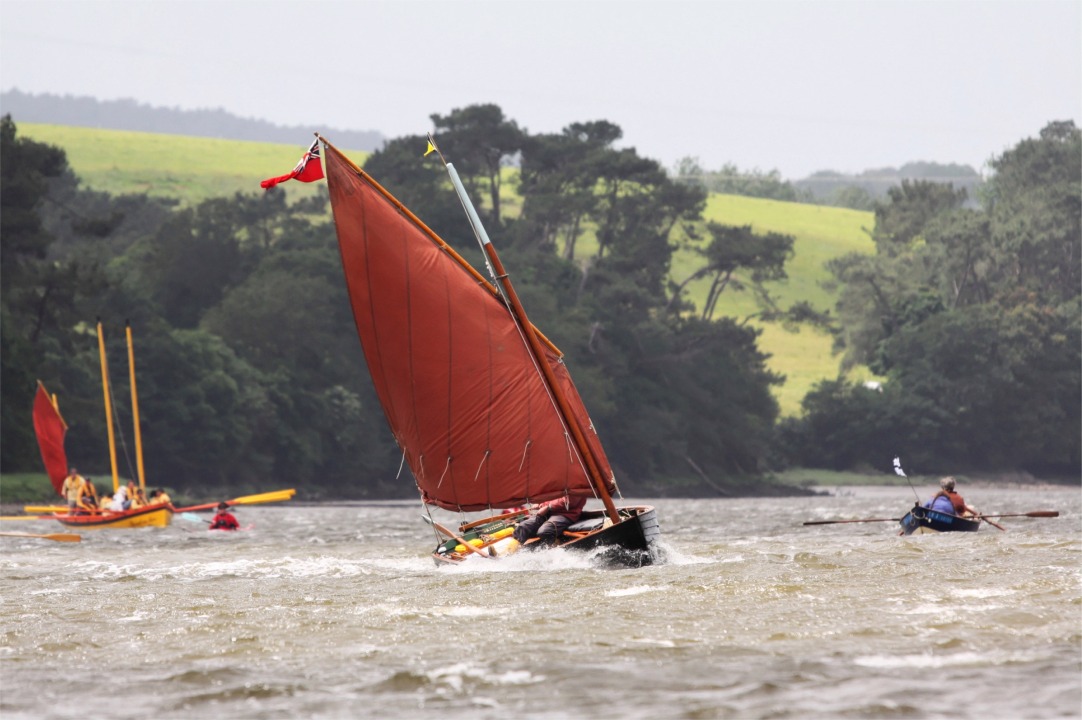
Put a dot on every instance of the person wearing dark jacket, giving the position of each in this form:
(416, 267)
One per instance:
(550, 519)
(224, 520)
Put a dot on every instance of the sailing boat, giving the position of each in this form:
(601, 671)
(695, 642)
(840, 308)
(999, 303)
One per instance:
(479, 401)
(50, 428)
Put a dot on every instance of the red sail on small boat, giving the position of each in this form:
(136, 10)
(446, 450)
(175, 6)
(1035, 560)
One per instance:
(479, 421)
(50, 429)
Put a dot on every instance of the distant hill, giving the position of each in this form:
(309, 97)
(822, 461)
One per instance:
(826, 185)
(131, 115)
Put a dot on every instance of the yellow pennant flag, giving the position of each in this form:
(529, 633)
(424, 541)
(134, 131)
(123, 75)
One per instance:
(431, 149)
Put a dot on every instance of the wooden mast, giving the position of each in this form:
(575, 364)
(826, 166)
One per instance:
(108, 407)
(135, 412)
(532, 341)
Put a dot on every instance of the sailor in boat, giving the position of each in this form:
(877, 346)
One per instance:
(159, 496)
(224, 520)
(88, 501)
(550, 519)
(135, 495)
(120, 500)
(948, 501)
(73, 489)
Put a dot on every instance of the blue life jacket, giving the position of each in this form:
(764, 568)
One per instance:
(940, 503)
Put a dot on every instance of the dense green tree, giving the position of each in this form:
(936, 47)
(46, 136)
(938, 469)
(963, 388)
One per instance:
(478, 139)
(732, 249)
(38, 293)
(25, 168)
(558, 183)
(975, 318)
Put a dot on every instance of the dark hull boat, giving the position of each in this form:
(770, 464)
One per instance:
(921, 520)
(633, 542)
(479, 401)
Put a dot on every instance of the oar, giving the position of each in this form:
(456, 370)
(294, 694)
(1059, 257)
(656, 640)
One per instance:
(26, 517)
(275, 496)
(835, 522)
(45, 509)
(59, 537)
(451, 535)
(994, 524)
(1032, 513)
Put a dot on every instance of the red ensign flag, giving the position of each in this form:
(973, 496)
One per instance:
(309, 169)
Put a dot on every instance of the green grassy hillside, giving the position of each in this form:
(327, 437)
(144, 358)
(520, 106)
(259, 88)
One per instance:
(820, 233)
(193, 169)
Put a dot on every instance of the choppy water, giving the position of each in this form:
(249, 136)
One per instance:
(335, 612)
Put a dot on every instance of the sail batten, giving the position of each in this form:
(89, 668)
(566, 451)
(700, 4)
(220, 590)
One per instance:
(453, 373)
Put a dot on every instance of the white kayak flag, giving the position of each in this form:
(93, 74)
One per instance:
(898, 467)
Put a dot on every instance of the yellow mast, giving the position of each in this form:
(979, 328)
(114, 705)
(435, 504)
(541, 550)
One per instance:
(135, 412)
(108, 407)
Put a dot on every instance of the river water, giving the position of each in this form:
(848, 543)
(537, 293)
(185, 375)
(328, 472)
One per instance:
(338, 612)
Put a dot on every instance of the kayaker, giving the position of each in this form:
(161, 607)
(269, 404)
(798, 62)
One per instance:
(550, 519)
(948, 501)
(224, 520)
(72, 489)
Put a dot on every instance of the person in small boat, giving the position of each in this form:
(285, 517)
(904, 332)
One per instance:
(88, 500)
(136, 498)
(159, 496)
(224, 520)
(949, 501)
(72, 489)
(550, 519)
(120, 500)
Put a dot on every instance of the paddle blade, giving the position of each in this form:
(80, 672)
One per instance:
(275, 496)
(58, 537)
(1043, 513)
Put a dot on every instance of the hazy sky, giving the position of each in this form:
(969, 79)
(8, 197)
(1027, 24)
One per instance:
(769, 84)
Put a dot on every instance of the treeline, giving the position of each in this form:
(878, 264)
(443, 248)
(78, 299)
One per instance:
(250, 372)
(127, 114)
(826, 187)
(249, 368)
(973, 316)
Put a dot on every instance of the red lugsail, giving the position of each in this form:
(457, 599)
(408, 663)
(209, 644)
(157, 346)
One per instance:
(50, 429)
(458, 384)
